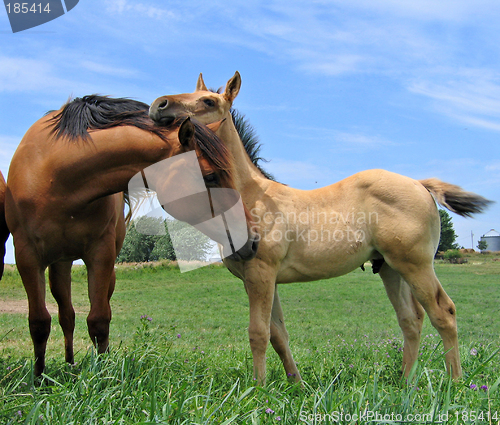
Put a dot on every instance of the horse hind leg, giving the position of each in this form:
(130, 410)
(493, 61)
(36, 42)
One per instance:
(441, 310)
(279, 340)
(409, 312)
(60, 286)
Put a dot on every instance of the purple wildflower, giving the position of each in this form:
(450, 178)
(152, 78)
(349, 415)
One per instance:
(269, 411)
(178, 335)
(484, 387)
(473, 387)
(473, 352)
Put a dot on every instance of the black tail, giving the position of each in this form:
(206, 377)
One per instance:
(455, 198)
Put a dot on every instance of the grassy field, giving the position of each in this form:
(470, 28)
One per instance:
(180, 354)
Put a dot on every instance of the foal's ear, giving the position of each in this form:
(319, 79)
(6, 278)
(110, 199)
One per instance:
(215, 125)
(200, 84)
(233, 87)
(186, 132)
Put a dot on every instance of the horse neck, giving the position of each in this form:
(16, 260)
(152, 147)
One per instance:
(246, 174)
(105, 164)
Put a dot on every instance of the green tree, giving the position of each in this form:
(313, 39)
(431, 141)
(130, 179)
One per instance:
(482, 245)
(142, 236)
(448, 235)
(189, 243)
(148, 239)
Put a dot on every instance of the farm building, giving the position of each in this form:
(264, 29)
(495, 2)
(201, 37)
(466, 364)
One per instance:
(492, 238)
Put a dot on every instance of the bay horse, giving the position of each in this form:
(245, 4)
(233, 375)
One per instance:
(65, 201)
(4, 231)
(306, 235)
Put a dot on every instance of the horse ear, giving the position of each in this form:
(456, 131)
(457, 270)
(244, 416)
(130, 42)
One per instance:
(186, 132)
(215, 125)
(200, 84)
(233, 87)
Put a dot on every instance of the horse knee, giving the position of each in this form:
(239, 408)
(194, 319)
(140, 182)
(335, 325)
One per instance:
(40, 329)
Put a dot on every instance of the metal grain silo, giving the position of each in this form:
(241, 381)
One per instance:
(492, 238)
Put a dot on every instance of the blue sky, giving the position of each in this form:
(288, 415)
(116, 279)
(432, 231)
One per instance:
(332, 87)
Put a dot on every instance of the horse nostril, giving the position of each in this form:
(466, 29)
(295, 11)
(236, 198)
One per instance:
(163, 104)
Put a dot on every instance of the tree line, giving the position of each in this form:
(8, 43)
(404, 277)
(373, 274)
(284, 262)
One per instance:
(149, 239)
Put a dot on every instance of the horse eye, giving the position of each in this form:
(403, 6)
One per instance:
(211, 178)
(209, 102)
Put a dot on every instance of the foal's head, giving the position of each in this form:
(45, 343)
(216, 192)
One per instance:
(205, 105)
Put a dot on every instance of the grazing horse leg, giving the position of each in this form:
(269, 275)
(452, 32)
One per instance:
(441, 310)
(60, 286)
(101, 280)
(279, 339)
(33, 277)
(409, 312)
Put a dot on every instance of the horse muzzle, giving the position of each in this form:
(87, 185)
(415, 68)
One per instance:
(163, 112)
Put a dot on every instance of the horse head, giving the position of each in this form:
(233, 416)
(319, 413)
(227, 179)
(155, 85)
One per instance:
(207, 106)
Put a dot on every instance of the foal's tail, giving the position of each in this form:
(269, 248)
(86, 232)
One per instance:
(455, 198)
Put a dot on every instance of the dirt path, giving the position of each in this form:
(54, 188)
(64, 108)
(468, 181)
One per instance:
(21, 307)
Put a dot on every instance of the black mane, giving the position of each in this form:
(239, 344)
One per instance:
(95, 112)
(250, 141)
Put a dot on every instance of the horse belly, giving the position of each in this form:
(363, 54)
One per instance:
(316, 263)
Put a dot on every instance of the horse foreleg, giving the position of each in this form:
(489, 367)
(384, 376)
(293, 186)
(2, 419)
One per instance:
(409, 312)
(440, 308)
(279, 340)
(60, 286)
(260, 289)
(101, 275)
(33, 277)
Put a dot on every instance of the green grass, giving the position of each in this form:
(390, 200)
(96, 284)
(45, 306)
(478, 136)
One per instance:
(191, 364)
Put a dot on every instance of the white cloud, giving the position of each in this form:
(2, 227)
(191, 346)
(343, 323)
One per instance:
(358, 140)
(148, 11)
(427, 10)
(21, 74)
(471, 96)
(105, 69)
